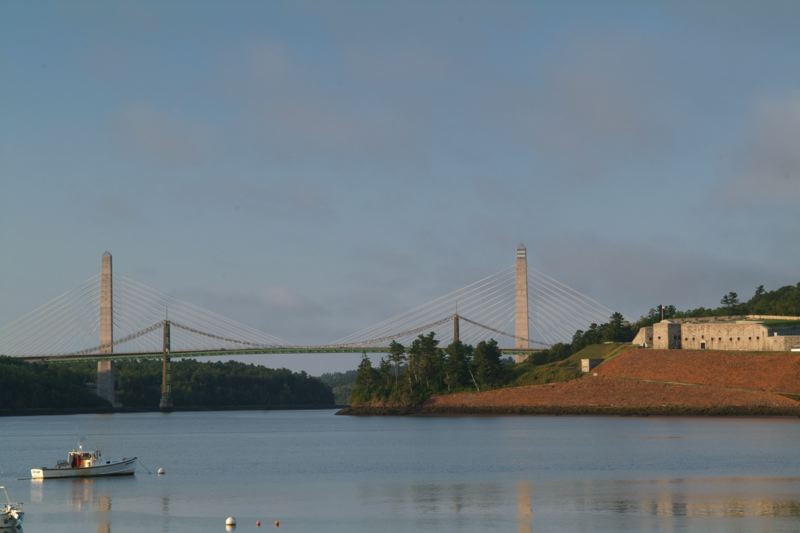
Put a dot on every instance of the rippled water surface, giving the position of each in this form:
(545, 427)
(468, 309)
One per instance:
(314, 471)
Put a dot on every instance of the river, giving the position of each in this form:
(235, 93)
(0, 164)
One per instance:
(314, 471)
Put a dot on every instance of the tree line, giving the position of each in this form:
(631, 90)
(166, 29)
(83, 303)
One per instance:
(41, 386)
(408, 376)
(782, 301)
(62, 385)
(220, 384)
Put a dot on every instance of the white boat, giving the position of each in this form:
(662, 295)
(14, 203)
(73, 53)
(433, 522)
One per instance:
(10, 514)
(81, 463)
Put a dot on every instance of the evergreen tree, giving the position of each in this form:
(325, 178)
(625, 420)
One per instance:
(730, 300)
(366, 381)
(386, 383)
(457, 374)
(488, 368)
(428, 362)
(397, 355)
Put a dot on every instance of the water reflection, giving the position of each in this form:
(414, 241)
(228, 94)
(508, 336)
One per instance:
(165, 522)
(694, 498)
(84, 498)
(439, 506)
(524, 507)
(634, 503)
(81, 496)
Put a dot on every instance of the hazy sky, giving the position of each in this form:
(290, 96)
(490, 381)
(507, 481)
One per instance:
(310, 168)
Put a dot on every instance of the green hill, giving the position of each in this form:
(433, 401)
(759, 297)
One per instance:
(600, 351)
(568, 368)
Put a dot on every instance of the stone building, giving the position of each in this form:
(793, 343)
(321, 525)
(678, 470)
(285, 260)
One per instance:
(720, 333)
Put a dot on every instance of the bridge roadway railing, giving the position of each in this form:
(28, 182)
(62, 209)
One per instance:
(269, 350)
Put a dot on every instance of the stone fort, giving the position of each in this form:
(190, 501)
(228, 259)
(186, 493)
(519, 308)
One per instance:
(757, 333)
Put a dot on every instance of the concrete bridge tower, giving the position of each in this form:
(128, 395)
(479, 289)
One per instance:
(521, 303)
(105, 369)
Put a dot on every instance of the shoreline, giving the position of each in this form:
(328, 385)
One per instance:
(55, 411)
(588, 410)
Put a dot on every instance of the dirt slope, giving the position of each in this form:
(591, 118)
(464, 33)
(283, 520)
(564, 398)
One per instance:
(604, 394)
(779, 372)
(653, 382)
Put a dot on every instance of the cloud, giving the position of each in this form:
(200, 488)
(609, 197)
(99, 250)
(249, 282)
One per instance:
(276, 310)
(289, 110)
(632, 277)
(162, 134)
(302, 202)
(597, 102)
(768, 170)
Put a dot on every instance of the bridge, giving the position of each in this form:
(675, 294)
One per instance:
(519, 306)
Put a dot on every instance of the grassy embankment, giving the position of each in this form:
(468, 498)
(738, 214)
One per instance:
(569, 368)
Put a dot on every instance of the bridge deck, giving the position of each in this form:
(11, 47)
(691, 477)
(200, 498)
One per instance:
(277, 350)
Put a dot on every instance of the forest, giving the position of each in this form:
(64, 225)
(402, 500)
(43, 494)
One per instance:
(25, 386)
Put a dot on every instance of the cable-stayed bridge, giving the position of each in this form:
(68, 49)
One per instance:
(521, 307)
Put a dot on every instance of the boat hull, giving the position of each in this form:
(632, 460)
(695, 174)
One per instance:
(11, 520)
(125, 467)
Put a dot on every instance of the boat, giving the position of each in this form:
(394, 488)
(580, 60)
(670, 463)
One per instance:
(82, 463)
(10, 514)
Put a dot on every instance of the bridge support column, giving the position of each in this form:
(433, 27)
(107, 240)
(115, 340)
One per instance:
(521, 303)
(456, 333)
(105, 369)
(166, 384)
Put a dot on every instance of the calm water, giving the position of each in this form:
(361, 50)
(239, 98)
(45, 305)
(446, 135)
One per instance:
(314, 471)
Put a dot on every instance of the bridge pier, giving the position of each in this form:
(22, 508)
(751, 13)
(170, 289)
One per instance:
(165, 404)
(105, 368)
(456, 333)
(105, 382)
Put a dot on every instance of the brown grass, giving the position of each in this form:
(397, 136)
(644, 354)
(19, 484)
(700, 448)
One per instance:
(616, 393)
(644, 382)
(777, 372)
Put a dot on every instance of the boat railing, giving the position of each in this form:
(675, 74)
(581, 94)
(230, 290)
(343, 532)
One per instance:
(9, 504)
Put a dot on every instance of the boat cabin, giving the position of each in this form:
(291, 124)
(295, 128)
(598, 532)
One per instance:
(81, 459)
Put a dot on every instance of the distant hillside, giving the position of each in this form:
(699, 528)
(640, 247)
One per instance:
(341, 383)
(38, 386)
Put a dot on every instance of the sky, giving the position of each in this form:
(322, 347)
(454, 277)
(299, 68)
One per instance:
(311, 168)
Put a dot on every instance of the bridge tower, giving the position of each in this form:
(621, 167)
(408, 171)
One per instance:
(165, 404)
(105, 369)
(521, 303)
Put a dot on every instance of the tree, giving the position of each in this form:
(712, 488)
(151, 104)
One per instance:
(730, 300)
(397, 356)
(387, 382)
(457, 366)
(426, 362)
(486, 361)
(366, 381)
